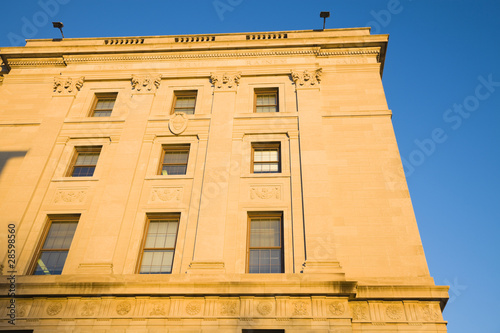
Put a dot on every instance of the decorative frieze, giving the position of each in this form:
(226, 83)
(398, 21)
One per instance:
(70, 196)
(246, 308)
(165, 194)
(54, 309)
(307, 79)
(266, 192)
(67, 86)
(123, 308)
(359, 311)
(394, 312)
(145, 83)
(193, 308)
(264, 308)
(226, 81)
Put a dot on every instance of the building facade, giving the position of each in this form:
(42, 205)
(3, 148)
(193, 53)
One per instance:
(209, 183)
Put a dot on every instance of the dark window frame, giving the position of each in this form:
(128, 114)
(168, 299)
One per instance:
(174, 147)
(39, 250)
(184, 93)
(266, 91)
(78, 151)
(100, 97)
(265, 145)
(157, 217)
(265, 215)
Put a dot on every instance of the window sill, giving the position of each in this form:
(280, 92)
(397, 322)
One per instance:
(266, 115)
(165, 177)
(266, 175)
(75, 179)
(95, 120)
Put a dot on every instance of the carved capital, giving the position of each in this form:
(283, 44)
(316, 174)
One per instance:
(225, 82)
(307, 79)
(67, 85)
(145, 83)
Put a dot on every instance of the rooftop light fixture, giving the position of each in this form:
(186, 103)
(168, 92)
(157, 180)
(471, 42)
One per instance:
(60, 26)
(324, 15)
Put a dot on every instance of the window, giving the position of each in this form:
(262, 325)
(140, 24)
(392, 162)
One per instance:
(159, 244)
(85, 161)
(174, 160)
(103, 105)
(266, 100)
(266, 157)
(57, 241)
(265, 244)
(184, 101)
(262, 331)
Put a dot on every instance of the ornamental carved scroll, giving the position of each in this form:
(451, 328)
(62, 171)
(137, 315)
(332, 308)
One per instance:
(70, 196)
(225, 82)
(307, 79)
(265, 192)
(164, 194)
(67, 85)
(145, 83)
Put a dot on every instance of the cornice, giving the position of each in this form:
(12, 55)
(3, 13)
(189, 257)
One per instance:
(72, 59)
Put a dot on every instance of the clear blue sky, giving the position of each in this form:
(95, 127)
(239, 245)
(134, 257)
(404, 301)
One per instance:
(439, 56)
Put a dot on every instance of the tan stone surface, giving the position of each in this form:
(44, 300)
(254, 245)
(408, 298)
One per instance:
(353, 258)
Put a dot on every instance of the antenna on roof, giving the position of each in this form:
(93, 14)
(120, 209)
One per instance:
(324, 15)
(60, 26)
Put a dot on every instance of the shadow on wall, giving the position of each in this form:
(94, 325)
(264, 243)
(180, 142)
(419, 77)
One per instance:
(6, 155)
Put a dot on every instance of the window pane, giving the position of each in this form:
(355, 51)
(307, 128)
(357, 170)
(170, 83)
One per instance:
(174, 170)
(105, 104)
(60, 235)
(175, 157)
(265, 233)
(266, 109)
(83, 171)
(102, 113)
(185, 102)
(268, 99)
(51, 263)
(157, 262)
(87, 159)
(265, 261)
(161, 234)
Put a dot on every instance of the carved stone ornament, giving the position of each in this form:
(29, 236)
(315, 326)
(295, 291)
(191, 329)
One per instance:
(394, 312)
(264, 308)
(229, 308)
(307, 79)
(178, 123)
(145, 83)
(166, 194)
(157, 310)
(193, 308)
(359, 312)
(429, 313)
(67, 85)
(54, 308)
(22, 310)
(123, 308)
(336, 308)
(69, 196)
(300, 309)
(89, 309)
(265, 192)
(225, 82)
